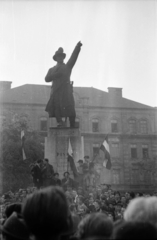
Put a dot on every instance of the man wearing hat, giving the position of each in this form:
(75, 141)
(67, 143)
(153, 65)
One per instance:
(61, 102)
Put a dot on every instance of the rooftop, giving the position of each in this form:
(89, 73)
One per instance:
(39, 94)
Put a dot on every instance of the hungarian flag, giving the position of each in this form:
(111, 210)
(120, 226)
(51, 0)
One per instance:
(71, 160)
(106, 149)
(22, 144)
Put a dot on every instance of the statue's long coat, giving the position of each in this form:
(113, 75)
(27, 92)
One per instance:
(62, 89)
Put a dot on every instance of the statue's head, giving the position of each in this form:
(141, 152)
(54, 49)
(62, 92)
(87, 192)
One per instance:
(59, 55)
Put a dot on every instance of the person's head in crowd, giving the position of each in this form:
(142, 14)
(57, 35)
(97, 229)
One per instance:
(98, 191)
(7, 196)
(132, 195)
(39, 162)
(117, 195)
(14, 228)
(80, 200)
(66, 175)
(46, 213)
(67, 193)
(16, 196)
(46, 161)
(142, 209)
(80, 162)
(80, 191)
(104, 187)
(110, 216)
(127, 196)
(14, 207)
(97, 206)
(106, 194)
(86, 158)
(91, 200)
(111, 206)
(74, 193)
(118, 207)
(95, 225)
(29, 191)
(134, 230)
(56, 175)
(2, 200)
(110, 192)
(72, 208)
(123, 200)
(137, 194)
(112, 197)
(24, 192)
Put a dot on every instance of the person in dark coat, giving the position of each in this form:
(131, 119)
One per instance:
(47, 173)
(36, 174)
(61, 102)
(56, 181)
(67, 181)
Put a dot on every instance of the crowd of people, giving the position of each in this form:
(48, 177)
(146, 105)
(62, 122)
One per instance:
(43, 175)
(65, 212)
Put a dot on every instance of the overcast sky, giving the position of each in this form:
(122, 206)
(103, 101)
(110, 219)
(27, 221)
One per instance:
(119, 43)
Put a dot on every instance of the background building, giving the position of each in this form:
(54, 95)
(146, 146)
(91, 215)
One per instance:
(131, 127)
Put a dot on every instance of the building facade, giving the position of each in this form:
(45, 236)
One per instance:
(131, 129)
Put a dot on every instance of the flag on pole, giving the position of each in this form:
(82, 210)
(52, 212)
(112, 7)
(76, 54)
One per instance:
(22, 144)
(71, 160)
(106, 149)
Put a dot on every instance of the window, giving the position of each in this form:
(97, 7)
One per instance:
(95, 125)
(43, 124)
(143, 126)
(77, 122)
(96, 148)
(145, 151)
(132, 125)
(133, 151)
(116, 176)
(114, 126)
(115, 149)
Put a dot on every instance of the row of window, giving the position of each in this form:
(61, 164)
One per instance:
(137, 176)
(95, 125)
(115, 150)
(145, 152)
(114, 126)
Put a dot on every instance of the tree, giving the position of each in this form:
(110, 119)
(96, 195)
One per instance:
(15, 172)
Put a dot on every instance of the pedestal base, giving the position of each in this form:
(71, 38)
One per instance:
(56, 148)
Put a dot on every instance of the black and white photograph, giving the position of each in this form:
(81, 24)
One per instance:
(78, 119)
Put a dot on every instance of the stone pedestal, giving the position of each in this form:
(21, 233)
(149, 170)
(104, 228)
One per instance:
(56, 148)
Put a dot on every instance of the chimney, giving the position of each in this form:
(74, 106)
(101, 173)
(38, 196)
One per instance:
(5, 85)
(115, 92)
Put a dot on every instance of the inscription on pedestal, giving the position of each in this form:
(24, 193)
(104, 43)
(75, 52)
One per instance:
(64, 131)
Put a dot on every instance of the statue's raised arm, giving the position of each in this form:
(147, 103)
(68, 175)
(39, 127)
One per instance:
(72, 60)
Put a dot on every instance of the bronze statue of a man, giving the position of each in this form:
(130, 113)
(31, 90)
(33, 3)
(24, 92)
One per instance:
(61, 103)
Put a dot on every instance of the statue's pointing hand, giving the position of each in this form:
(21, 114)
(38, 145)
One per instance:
(79, 44)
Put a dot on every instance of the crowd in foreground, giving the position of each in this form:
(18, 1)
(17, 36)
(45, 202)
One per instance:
(94, 213)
